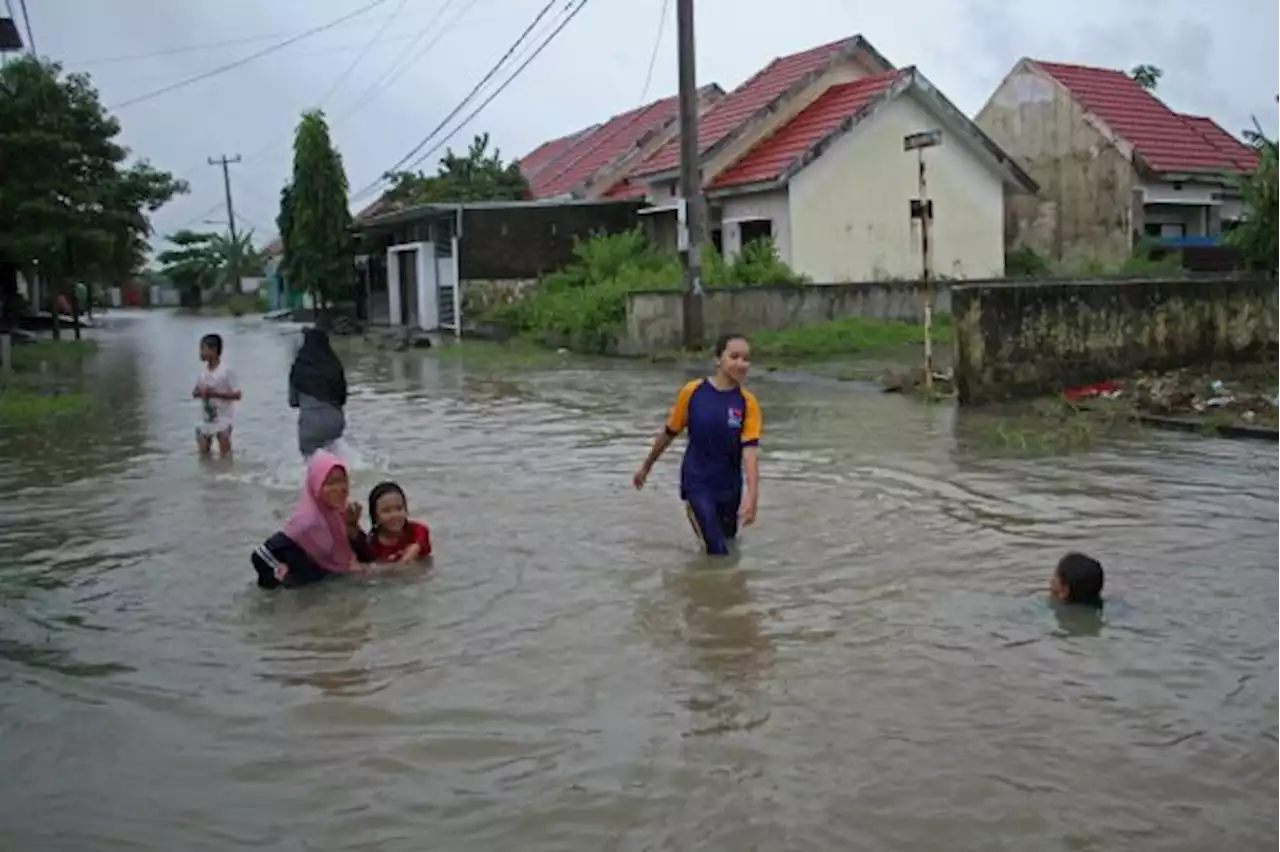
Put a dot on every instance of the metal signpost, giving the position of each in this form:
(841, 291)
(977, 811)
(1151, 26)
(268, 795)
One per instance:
(922, 209)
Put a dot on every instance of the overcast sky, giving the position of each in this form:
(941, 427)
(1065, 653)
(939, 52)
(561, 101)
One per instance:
(1219, 59)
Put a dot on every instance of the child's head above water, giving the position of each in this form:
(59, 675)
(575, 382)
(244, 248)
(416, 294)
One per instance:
(210, 348)
(1078, 579)
(388, 508)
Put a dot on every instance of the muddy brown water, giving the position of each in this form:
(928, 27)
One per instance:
(878, 670)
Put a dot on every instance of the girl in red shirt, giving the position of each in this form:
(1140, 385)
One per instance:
(395, 538)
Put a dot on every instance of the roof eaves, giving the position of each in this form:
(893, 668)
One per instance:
(745, 188)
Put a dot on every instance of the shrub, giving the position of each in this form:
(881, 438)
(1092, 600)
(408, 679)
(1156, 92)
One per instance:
(583, 305)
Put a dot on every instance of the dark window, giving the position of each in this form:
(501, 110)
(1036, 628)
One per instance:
(717, 240)
(755, 229)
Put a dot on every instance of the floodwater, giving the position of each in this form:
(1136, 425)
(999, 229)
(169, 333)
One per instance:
(878, 670)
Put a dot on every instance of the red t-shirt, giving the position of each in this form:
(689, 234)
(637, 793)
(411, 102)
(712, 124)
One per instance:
(413, 533)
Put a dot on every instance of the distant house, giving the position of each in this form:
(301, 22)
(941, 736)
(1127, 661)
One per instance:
(809, 151)
(1114, 163)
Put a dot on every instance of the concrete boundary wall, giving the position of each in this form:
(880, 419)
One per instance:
(1021, 339)
(654, 318)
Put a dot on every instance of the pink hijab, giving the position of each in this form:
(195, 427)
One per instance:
(316, 528)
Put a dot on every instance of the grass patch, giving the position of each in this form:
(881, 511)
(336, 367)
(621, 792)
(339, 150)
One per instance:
(1055, 427)
(45, 354)
(845, 337)
(21, 406)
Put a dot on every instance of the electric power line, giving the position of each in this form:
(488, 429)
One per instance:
(475, 90)
(653, 57)
(497, 66)
(337, 84)
(245, 60)
(193, 48)
(26, 17)
(399, 66)
(573, 13)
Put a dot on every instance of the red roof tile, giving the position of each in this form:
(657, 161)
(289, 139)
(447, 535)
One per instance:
(546, 153)
(1244, 157)
(625, 189)
(728, 114)
(773, 156)
(1160, 137)
(605, 146)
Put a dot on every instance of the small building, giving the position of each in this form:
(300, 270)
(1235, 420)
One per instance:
(809, 152)
(1114, 164)
(422, 261)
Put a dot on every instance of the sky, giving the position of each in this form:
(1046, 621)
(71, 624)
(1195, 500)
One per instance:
(387, 77)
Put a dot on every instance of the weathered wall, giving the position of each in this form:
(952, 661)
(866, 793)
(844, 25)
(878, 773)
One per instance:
(1027, 339)
(1087, 181)
(480, 295)
(772, 205)
(850, 214)
(653, 319)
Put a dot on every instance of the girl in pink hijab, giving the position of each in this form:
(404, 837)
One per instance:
(322, 537)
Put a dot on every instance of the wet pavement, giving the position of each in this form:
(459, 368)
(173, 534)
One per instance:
(877, 670)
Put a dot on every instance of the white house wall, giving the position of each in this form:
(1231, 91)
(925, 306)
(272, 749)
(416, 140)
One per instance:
(771, 205)
(850, 208)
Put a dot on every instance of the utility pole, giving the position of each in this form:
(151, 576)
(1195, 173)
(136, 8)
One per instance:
(690, 227)
(922, 209)
(226, 161)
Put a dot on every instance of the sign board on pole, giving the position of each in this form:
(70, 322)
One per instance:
(924, 139)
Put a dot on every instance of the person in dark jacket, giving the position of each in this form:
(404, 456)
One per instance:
(318, 389)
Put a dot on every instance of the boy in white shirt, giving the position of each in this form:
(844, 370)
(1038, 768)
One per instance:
(217, 391)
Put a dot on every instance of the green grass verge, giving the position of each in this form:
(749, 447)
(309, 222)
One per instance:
(28, 357)
(20, 406)
(846, 336)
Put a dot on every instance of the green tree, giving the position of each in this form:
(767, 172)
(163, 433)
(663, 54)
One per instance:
(314, 221)
(1146, 76)
(477, 175)
(69, 204)
(1258, 235)
(203, 260)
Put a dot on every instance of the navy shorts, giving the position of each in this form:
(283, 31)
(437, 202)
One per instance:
(714, 518)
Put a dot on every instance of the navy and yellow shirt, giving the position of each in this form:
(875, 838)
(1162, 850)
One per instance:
(720, 424)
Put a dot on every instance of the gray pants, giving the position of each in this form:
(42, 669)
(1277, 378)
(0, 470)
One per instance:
(319, 424)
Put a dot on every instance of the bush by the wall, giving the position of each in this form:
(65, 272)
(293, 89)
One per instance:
(583, 306)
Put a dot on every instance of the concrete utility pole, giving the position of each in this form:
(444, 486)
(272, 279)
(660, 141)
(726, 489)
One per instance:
(226, 161)
(690, 227)
(922, 209)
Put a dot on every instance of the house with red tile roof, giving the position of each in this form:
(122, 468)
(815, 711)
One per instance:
(809, 152)
(1114, 163)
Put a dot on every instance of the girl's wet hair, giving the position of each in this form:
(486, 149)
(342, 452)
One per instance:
(1083, 578)
(212, 341)
(723, 341)
(382, 489)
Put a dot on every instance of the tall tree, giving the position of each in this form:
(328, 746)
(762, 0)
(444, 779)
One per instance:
(315, 223)
(1146, 76)
(1258, 235)
(477, 175)
(69, 204)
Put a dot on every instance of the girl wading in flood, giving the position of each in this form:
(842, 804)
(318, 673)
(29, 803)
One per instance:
(318, 389)
(724, 423)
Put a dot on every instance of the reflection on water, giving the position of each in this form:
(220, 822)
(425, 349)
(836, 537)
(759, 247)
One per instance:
(877, 669)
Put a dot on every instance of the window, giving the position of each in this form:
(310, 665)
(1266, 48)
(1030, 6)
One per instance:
(717, 240)
(755, 229)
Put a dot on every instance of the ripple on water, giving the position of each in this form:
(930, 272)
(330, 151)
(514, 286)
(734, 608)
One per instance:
(876, 669)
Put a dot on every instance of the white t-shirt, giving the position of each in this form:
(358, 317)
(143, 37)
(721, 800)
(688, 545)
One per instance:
(217, 412)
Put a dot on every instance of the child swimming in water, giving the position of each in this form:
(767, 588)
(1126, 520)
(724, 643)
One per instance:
(1078, 579)
(395, 538)
(321, 538)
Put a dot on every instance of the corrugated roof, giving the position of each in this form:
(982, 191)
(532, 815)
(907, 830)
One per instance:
(774, 155)
(604, 147)
(1164, 140)
(734, 109)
